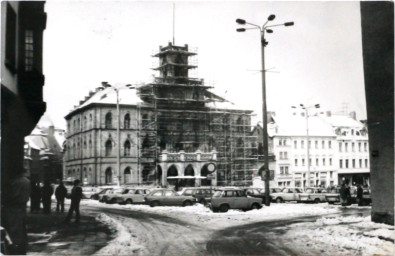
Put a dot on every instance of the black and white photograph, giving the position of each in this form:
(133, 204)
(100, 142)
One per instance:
(197, 127)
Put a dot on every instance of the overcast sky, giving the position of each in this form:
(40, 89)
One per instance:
(319, 60)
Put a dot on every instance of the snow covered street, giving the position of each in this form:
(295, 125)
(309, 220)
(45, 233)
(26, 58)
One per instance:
(278, 229)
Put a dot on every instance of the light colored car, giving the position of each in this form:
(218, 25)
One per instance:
(110, 198)
(87, 192)
(101, 191)
(316, 195)
(168, 197)
(133, 195)
(225, 199)
(287, 194)
(333, 196)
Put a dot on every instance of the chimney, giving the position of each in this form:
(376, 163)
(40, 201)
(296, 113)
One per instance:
(328, 113)
(353, 115)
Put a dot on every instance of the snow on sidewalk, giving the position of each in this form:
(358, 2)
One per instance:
(342, 235)
(125, 242)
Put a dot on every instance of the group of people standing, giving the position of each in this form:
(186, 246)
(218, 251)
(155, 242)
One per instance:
(44, 194)
(345, 194)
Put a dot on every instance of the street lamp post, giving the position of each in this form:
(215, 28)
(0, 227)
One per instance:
(264, 43)
(306, 111)
(116, 89)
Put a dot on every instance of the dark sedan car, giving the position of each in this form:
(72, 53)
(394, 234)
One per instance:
(168, 197)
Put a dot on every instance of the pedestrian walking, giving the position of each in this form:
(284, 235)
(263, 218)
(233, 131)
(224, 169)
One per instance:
(359, 195)
(348, 195)
(47, 192)
(35, 197)
(76, 195)
(60, 194)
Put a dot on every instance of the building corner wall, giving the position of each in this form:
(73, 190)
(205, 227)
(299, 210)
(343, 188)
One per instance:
(377, 20)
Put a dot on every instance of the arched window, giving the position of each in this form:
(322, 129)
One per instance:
(78, 124)
(189, 171)
(90, 121)
(108, 147)
(127, 148)
(126, 122)
(108, 176)
(85, 123)
(127, 176)
(108, 120)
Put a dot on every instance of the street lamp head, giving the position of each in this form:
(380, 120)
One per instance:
(302, 105)
(241, 30)
(293, 107)
(287, 24)
(241, 21)
(271, 17)
(317, 105)
(269, 31)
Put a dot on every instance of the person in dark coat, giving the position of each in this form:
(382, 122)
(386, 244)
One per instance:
(60, 194)
(35, 197)
(47, 192)
(359, 195)
(343, 194)
(76, 195)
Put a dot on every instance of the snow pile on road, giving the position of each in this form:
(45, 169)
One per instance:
(198, 214)
(125, 242)
(343, 235)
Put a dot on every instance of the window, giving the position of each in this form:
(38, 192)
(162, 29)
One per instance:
(346, 163)
(365, 145)
(341, 163)
(360, 163)
(295, 144)
(126, 148)
(108, 123)
(310, 161)
(366, 163)
(286, 169)
(331, 174)
(316, 144)
(353, 147)
(309, 144)
(85, 123)
(302, 161)
(108, 147)
(330, 161)
(281, 155)
(158, 193)
(346, 147)
(284, 142)
(353, 163)
(280, 142)
(352, 131)
(359, 147)
(169, 193)
(126, 122)
(296, 162)
(28, 50)
(329, 144)
(281, 169)
(340, 147)
(323, 144)
(323, 161)
(285, 155)
(316, 162)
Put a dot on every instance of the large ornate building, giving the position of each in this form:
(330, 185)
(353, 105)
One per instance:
(173, 129)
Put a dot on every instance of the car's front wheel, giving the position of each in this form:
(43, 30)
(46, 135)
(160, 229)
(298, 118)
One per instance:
(279, 200)
(255, 206)
(154, 204)
(317, 201)
(224, 208)
(187, 203)
(129, 201)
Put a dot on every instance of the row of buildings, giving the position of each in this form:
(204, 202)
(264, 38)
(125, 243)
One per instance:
(173, 128)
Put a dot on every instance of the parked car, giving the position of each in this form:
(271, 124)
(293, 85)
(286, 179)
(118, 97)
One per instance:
(316, 195)
(225, 199)
(333, 196)
(101, 191)
(87, 192)
(110, 198)
(202, 195)
(168, 197)
(133, 195)
(287, 194)
(103, 197)
(256, 192)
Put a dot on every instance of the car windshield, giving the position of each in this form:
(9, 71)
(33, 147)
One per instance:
(309, 190)
(217, 194)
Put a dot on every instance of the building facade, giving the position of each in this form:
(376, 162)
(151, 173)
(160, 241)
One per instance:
(170, 130)
(335, 150)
